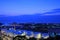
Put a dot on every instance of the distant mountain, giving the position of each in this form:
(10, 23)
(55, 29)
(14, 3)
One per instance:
(35, 18)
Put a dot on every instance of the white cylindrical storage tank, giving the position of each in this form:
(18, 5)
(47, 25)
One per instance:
(45, 35)
(37, 35)
(22, 32)
(29, 34)
(3, 30)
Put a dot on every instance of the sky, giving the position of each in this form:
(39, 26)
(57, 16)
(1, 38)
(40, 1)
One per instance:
(24, 7)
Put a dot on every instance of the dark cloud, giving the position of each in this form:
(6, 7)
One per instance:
(53, 12)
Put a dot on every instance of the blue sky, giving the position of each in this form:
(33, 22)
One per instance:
(22, 7)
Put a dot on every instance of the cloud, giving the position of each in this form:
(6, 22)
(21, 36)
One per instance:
(53, 12)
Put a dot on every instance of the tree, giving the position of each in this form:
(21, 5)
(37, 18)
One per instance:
(20, 38)
(27, 26)
(0, 26)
